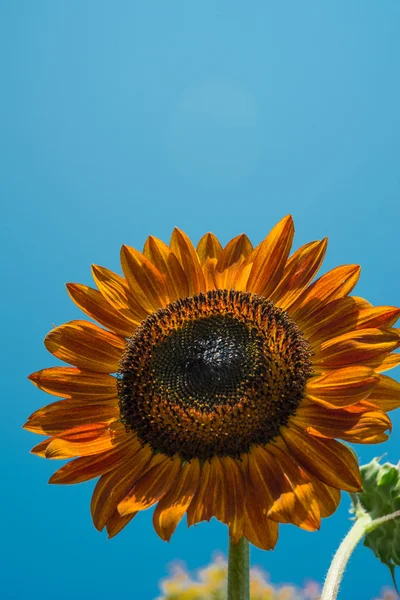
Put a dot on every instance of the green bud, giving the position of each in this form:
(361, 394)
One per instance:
(380, 497)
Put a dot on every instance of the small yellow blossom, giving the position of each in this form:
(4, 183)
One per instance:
(209, 583)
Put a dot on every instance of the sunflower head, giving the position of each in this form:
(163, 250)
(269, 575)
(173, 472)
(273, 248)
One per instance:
(217, 384)
(212, 375)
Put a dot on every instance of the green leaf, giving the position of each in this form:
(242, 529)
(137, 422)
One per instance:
(381, 497)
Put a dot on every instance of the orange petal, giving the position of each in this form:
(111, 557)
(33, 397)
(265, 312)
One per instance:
(70, 382)
(208, 247)
(113, 486)
(116, 291)
(386, 394)
(209, 250)
(154, 483)
(166, 262)
(210, 274)
(86, 346)
(146, 282)
(185, 252)
(355, 347)
(328, 460)
(327, 497)
(171, 508)
(383, 362)
(230, 260)
(297, 503)
(335, 284)
(85, 440)
(378, 317)
(116, 523)
(329, 318)
(66, 414)
(274, 488)
(355, 319)
(298, 272)
(230, 503)
(271, 258)
(262, 472)
(342, 387)
(96, 306)
(89, 467)
(216, 486)
(40, 449)
(360, 423)
(220, 494)
(199, 508)
(243, 273)
(258, 529)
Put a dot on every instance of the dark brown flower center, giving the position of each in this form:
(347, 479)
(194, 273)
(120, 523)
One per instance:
(213, 374)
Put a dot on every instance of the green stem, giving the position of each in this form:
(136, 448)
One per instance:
(341, 558)
(362, 525)
(239, 570)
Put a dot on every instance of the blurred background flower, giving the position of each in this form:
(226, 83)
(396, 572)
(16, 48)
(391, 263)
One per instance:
(388, 595)
(209, 583)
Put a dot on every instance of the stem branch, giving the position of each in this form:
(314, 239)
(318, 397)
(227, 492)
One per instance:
(376, 522)
(362, 525)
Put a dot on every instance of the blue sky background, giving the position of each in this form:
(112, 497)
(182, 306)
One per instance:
(122, 119)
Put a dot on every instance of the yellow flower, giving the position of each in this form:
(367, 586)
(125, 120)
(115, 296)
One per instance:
(218, 385)
(210, 584)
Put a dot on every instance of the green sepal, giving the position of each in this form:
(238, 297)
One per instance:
(380, 497)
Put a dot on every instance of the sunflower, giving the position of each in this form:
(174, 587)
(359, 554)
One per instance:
(217, 385)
